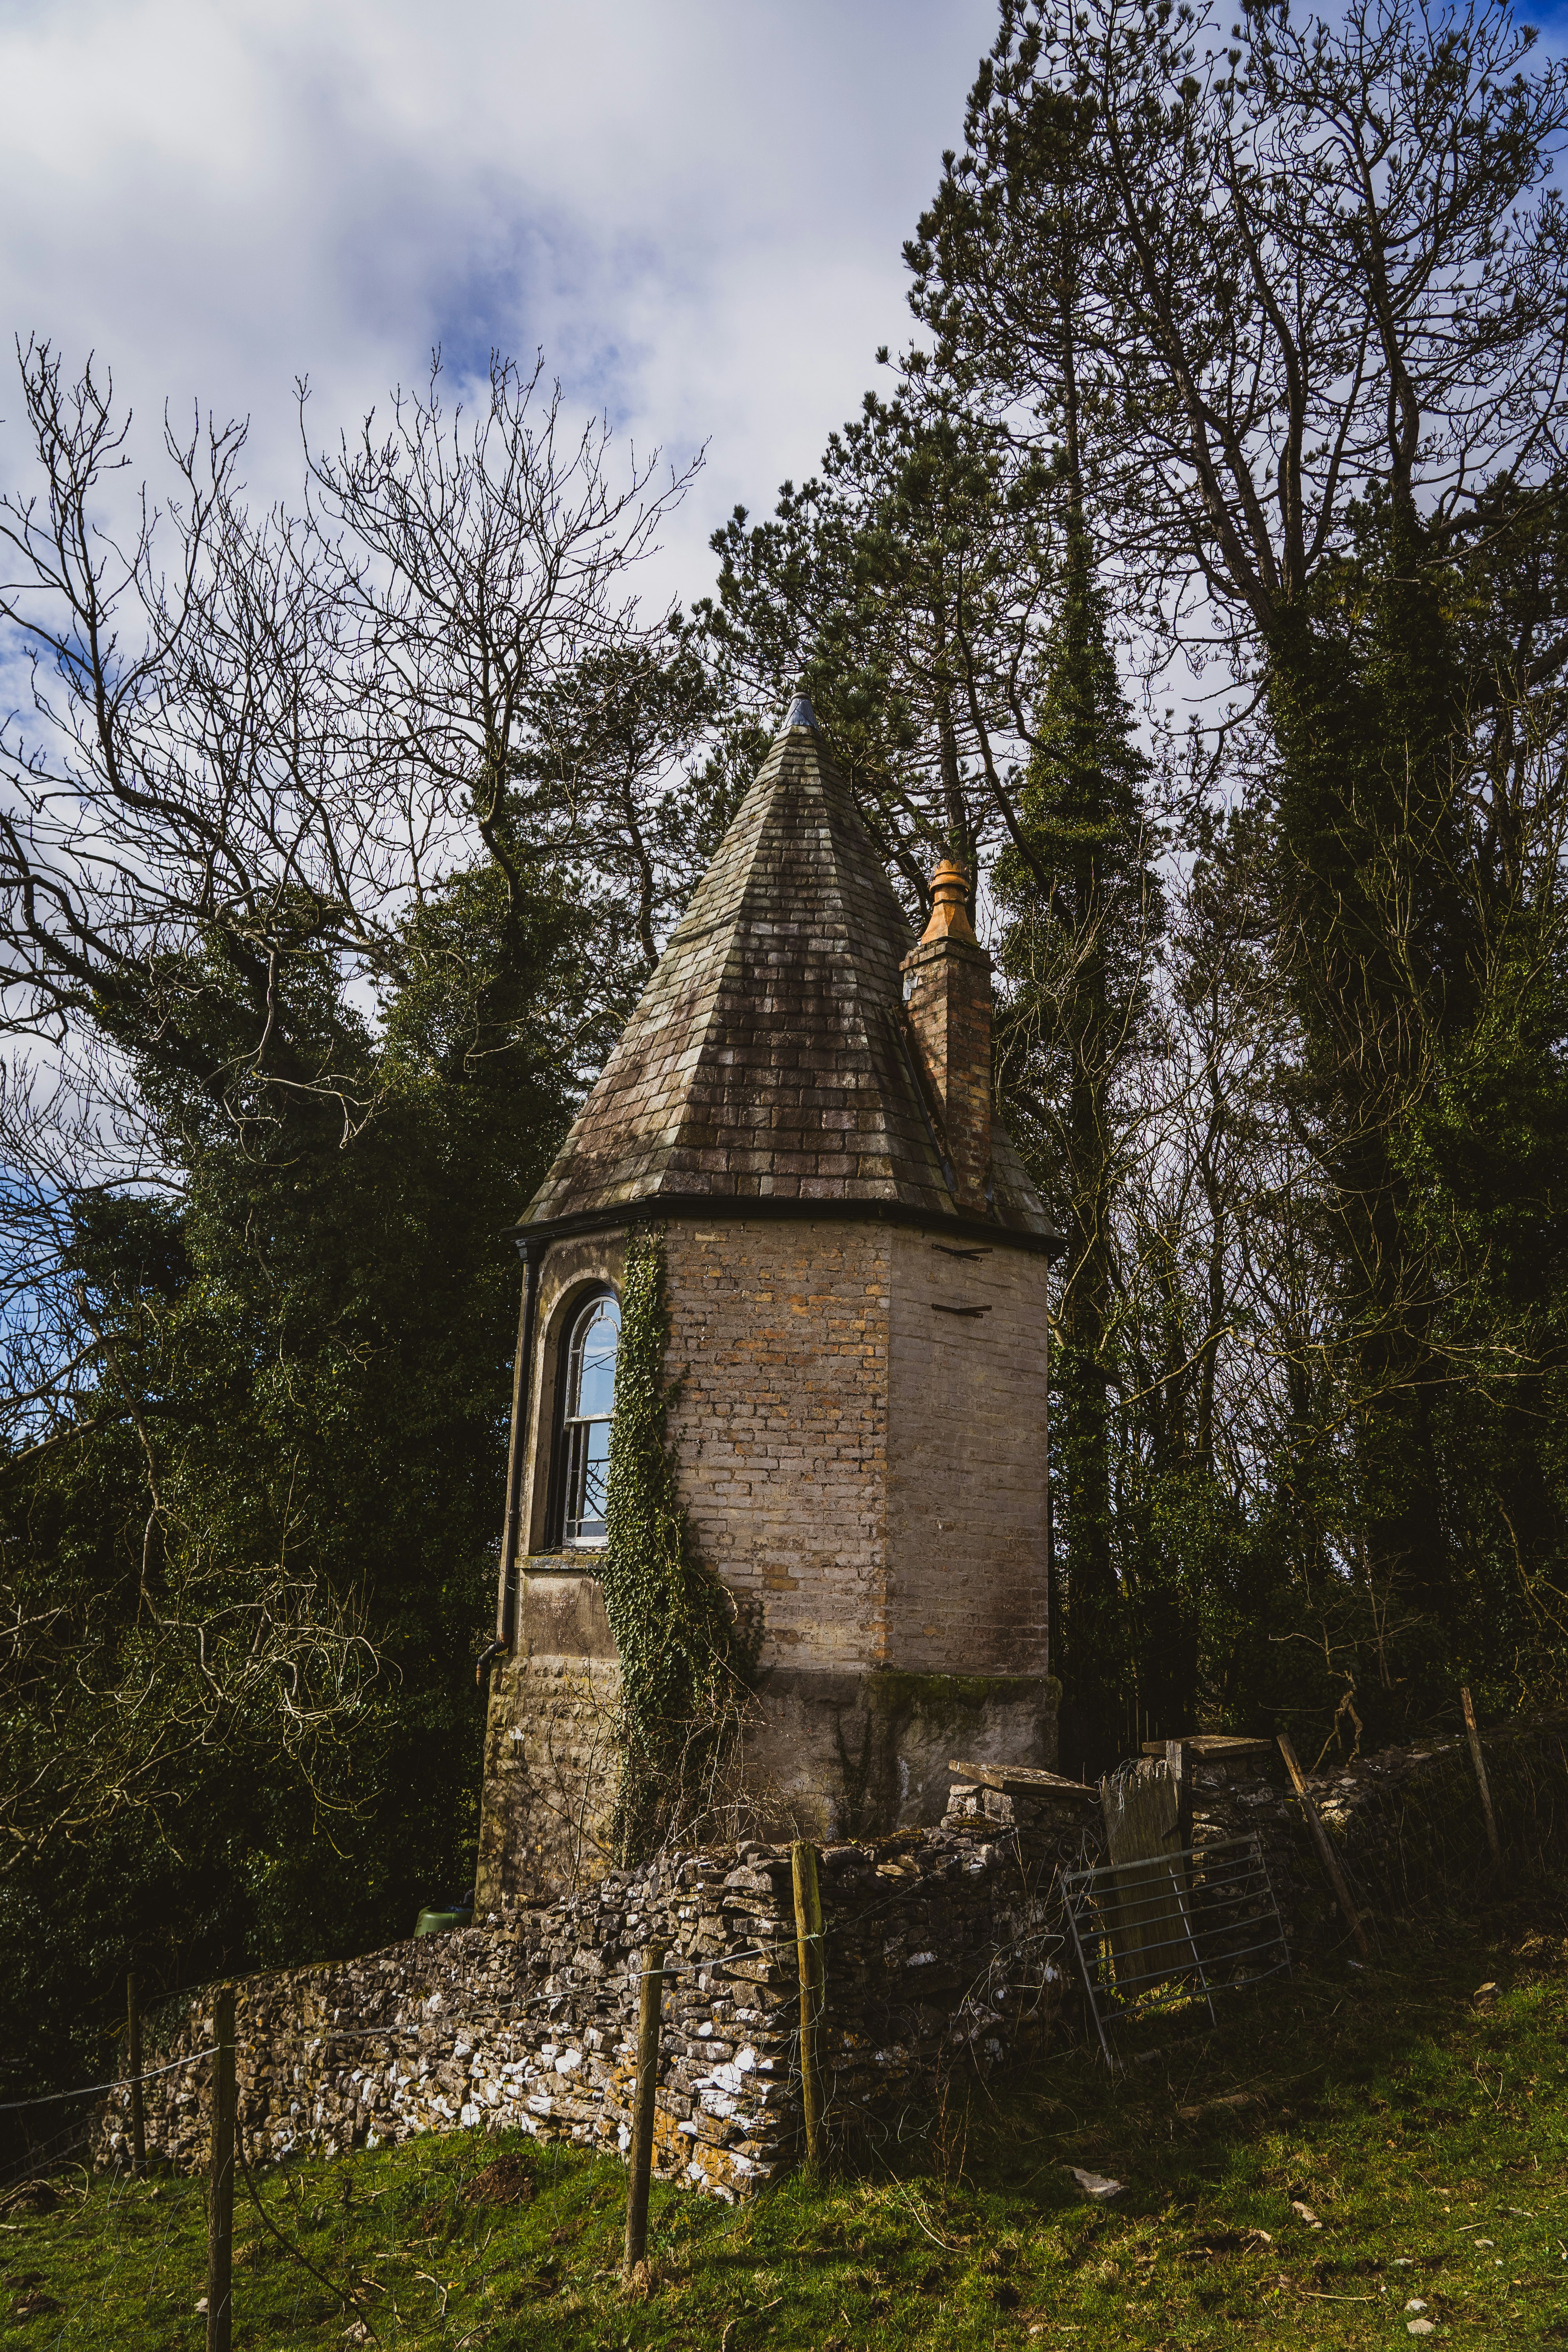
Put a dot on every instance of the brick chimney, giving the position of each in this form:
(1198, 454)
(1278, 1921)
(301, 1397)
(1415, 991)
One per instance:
(949, 1008)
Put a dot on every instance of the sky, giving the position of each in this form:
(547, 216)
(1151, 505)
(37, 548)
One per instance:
(697, 207)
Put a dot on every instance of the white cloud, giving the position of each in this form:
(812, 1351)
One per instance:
(695, 206)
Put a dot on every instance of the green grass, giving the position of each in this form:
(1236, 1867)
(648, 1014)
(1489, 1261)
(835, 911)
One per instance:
(1415, 2117)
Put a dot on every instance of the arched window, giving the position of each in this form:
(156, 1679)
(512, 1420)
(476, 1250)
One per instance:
(587, 1394)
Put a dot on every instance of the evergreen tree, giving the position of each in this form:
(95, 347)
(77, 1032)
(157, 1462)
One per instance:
(907, 585)
(244, 1728)
(1317, 331)
(1081, 905)
(1000, 266)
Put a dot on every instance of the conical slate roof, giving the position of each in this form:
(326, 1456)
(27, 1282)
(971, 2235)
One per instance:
(769, 1058)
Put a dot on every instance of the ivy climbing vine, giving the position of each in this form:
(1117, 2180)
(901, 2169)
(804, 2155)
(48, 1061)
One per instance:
(685, 1662)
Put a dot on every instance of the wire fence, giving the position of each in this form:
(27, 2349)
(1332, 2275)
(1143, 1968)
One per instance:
(385, 2261)
(1001, 1962)
(1173, 1928)
(119, 2082)
(1013, 1969)
(1019, 1973)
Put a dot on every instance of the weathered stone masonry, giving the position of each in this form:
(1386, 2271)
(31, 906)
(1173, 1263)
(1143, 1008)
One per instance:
(828, 1412)
(944, 1951)
(857, 1283)
(531, 2022)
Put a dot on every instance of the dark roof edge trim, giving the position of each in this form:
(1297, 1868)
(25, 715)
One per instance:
(765, 1208)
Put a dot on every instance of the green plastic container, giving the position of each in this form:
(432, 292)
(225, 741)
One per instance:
(436, 1923)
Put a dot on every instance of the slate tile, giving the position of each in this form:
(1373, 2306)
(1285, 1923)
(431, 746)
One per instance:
(763, 1046)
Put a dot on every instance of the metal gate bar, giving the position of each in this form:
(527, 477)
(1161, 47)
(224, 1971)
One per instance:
(1218, 1901)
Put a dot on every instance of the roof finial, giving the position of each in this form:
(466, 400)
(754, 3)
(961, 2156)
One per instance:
(949, 914)
(800, 712)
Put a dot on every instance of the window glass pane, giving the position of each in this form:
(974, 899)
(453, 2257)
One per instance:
(593, 1386)
(573, 1508)
(590, 1402)
(595, 1472)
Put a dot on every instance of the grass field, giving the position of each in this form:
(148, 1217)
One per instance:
(1417, 2114)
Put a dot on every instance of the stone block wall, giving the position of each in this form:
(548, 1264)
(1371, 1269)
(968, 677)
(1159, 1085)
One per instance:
(945, 1951)
(944, 1955)
(529, 2021)
(550, 1774)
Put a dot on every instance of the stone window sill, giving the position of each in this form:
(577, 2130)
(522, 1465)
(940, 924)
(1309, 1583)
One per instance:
(584, 1563)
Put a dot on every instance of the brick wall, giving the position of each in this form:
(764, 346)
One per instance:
(779, 1344)
(949, 1014)
(966, 1471)
(863, 1467)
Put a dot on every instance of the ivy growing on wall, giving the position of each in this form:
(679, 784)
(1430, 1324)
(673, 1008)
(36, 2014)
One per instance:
(685, 1662)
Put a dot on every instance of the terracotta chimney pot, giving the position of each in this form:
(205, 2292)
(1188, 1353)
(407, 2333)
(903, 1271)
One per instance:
(948, 915)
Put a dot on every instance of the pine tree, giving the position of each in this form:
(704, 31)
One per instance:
(1082, 908)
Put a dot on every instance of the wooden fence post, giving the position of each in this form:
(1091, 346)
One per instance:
(1326, 1853)
(220, 2191)
(1479, 1761)
(641, 2152)
(133, 2068)
(808, 1953)
(1179, 1758)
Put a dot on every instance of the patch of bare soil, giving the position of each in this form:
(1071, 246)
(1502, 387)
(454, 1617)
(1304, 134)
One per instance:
(508, 2180)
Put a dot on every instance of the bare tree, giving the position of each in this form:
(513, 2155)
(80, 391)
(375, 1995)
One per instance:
(478, 561)
(256, 751)
(253, 743)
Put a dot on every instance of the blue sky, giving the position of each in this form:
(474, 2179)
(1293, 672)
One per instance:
(697, 207)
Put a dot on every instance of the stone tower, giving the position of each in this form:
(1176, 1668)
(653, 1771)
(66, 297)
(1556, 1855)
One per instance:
(856, 1272)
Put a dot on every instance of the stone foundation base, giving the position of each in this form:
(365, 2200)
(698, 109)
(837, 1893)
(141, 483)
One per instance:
(860, 1755)
(549, 1780)
(824, 1754)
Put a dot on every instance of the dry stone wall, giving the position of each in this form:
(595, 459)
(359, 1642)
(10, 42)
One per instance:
(1406, 1822)
(943, 1954)
(943, 1947)
(529, 2021)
